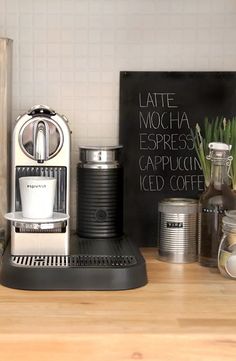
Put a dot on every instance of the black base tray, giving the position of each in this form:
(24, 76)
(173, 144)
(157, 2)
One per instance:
(94, 264)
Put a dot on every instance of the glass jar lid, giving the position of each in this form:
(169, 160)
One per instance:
(219, 151)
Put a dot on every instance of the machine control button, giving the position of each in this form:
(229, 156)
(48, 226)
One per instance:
(101, 215)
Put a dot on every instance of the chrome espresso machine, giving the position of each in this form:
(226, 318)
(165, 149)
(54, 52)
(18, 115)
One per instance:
(43, 254)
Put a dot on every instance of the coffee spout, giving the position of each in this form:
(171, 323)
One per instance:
(41, 139)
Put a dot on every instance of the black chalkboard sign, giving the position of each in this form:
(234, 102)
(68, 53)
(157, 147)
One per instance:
(157, 110)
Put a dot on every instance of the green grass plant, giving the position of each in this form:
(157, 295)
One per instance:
(217, 130)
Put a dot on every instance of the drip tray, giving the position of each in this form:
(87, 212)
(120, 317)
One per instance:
(95, 264)
(73, 261)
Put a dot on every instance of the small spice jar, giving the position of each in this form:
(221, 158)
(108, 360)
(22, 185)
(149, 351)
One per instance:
(227, 248)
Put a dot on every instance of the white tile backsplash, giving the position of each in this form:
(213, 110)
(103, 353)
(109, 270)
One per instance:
(68, 53)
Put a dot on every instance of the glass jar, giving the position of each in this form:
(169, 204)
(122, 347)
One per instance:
(217, 199)
(227, 248)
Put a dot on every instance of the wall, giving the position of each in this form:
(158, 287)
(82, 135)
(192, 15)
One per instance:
(68, 53)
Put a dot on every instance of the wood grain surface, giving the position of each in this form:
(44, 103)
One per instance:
(185, 312)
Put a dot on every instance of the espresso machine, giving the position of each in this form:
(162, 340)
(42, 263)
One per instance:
(43, 254)
(41, 147)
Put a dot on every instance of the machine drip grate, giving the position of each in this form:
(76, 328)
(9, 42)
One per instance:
(101, 261)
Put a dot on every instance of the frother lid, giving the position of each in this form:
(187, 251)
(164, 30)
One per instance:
(100, 154)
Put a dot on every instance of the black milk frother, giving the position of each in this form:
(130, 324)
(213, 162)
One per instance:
(100, 192)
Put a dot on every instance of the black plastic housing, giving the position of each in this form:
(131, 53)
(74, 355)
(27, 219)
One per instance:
(100, 202)
(98, 264)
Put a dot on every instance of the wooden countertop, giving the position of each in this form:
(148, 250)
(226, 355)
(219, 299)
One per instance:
(186, 312)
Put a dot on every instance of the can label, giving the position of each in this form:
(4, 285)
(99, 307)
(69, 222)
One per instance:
(174, 224)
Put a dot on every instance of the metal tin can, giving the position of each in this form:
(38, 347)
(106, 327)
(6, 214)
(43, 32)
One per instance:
(178, 230)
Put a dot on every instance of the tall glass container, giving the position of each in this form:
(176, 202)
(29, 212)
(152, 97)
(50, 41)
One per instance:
(5, 128)
(218, 198)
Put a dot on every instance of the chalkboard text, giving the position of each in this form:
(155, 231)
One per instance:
(156, 100)
(156, 183)
(157, 141)
(164, 162)
(165, 146)
(163, 120)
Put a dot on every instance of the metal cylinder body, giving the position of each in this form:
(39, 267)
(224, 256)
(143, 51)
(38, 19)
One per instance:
(100, 193)
(5, 125)
(177, 241)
